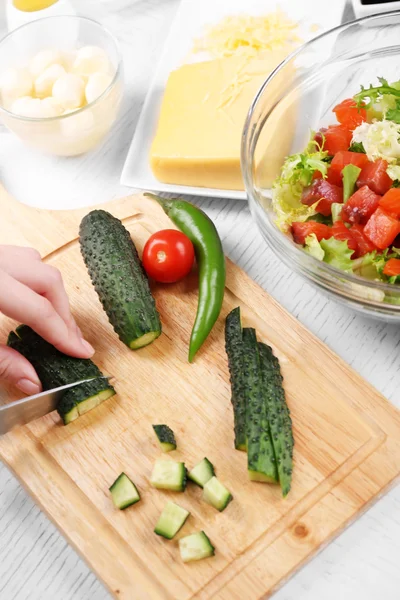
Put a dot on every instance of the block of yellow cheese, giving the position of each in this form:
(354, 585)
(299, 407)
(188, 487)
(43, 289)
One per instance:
(198, 138)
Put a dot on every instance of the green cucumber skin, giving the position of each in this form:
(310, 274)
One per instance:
(234, 350)
(261, 456)
(205, 549)
(55, 369)
(164, 528)
(205, 465)
(279, 416)
(118, 277)
(114, 491)
(166, 437)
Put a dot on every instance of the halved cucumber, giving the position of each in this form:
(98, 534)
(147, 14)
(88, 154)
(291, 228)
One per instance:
(124, 492)
(169, 475)
(202, 472)
(171, 520)
(216, 494)
(195, 547)
(165, 437)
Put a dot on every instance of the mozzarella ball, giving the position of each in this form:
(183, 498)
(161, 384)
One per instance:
(44, 83)
(51, 107)
(96, 85)
(15, 83)
(77, 125)
(44, 59)
(28, 107)
(69, 91)
(89, 60)
(68, 59)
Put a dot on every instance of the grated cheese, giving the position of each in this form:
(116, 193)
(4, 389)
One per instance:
(249, 35)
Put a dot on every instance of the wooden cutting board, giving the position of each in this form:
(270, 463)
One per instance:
(347, 435)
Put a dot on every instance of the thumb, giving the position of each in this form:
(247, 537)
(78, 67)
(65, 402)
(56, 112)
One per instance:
(15, 369)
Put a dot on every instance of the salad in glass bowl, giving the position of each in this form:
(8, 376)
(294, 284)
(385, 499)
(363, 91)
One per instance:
(340, 197)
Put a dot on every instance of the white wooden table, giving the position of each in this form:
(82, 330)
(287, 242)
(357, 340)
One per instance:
(35, 561)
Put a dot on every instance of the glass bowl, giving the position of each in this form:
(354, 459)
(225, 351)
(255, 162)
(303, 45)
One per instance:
(297, 98)
(79, 131)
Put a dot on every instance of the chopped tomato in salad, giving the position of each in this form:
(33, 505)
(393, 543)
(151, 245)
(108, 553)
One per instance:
(340, 160)
(392, 267)
(340, 198)
(375, 177)
(336, 138)
(382, 229)
(301, 231)
(364, 244)
(360, 206)
(390, 202)
(343, 234)
(349, 114)
(324, 194)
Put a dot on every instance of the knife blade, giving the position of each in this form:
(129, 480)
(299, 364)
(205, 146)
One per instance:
(30, 408)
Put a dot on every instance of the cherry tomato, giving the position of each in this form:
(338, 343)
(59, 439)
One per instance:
(168, 256)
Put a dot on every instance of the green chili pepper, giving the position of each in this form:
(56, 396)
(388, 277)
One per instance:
(201, 231)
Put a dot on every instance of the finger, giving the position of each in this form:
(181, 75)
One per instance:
(15, 369)
(44, 280)
(18, 251)
(24, 305)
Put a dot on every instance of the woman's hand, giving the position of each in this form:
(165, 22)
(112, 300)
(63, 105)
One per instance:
(33, 293)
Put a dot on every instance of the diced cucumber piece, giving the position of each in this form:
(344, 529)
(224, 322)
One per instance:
(166, 437)
(171, 520)
(124, 492)
(202, 472)
(216, 494)
(195, 547)
(169, 475)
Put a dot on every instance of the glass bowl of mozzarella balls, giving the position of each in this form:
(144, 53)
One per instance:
(61, 84)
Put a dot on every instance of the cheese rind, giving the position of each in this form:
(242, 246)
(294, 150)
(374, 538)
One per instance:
(198, 139)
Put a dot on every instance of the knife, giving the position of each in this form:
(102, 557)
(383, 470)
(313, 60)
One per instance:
(30, 408)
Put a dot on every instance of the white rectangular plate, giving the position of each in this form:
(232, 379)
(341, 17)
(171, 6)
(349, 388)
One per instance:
(192, 17)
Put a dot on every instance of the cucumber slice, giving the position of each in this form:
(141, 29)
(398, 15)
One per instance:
(195, 547)
(216, 494)
(124, 492)
(171, 520)
(166, 437)
(202, 472)
(169, 475)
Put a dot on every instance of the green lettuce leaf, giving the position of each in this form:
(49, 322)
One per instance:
(296, 174)
(368, 96)
(393, 114)
(350, 175)
(337, 254)
(392, 299)
(381, 259)
(357, 147)
(318, 218)
(394, 173)
(336, 209)
(313, 247)
(365, 266)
